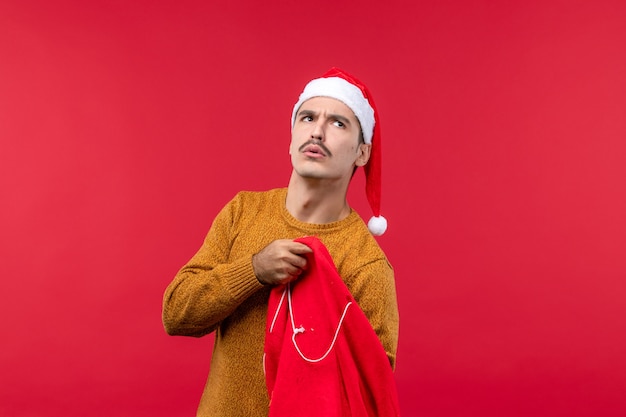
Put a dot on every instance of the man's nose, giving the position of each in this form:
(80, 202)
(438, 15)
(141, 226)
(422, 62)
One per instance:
(318, 130)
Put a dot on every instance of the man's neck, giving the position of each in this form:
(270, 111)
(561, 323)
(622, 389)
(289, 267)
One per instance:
(316, 201)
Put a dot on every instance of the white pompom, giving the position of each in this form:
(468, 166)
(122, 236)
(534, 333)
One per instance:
(377, 225)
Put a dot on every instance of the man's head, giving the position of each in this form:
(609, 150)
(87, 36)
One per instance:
(352, 94)
(334, 85)
(326, 141)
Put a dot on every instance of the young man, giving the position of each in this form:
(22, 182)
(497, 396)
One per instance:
(250, 248)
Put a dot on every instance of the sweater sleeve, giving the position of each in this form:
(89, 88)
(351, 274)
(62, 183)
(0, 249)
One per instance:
(210, 286)
(373, 288)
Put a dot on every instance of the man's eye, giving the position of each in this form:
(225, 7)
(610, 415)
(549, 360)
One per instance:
(338, 123)
(307, 119)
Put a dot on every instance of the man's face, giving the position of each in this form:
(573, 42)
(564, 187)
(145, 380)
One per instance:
(325, 140)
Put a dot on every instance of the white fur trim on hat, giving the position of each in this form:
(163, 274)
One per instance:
(347, 93)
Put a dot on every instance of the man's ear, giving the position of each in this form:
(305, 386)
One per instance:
(364, 154)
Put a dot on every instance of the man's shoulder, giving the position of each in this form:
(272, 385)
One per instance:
(355, 234)
(247, 198)
(250, 194)
(245, 201)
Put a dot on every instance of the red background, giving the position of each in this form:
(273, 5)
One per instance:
(126, 126)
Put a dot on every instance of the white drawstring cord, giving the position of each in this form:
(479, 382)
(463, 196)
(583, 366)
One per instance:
(297, 330)
(301, 329)
(280, 303)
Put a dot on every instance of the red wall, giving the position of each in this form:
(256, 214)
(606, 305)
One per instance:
(125, 126)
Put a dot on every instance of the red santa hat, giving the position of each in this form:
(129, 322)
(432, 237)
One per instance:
(338, 84)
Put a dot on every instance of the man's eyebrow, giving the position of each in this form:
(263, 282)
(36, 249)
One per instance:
(342, 119)
(305, 112)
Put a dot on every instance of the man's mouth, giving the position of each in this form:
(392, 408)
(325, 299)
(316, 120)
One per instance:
(314, 149)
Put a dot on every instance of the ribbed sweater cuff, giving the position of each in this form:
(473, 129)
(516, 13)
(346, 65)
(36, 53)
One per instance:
(240, 279)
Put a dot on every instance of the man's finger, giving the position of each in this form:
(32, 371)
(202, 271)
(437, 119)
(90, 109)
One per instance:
(299, 248)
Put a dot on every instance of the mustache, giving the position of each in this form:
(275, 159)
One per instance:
(316, 143)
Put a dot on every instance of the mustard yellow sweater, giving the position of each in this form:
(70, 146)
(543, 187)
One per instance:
(218, 291)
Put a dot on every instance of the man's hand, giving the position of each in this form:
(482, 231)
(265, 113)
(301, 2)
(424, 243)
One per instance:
(280, 262)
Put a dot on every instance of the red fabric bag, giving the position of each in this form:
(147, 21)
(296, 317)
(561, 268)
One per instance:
(322, 356)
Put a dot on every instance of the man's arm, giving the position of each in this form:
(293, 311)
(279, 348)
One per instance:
(210, 286)
(202, 295)
(373, 288)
